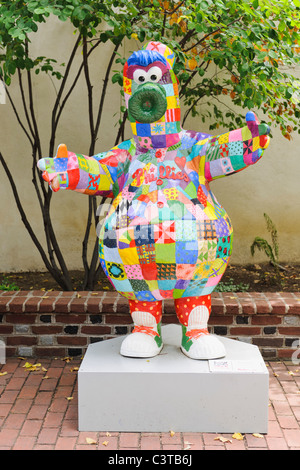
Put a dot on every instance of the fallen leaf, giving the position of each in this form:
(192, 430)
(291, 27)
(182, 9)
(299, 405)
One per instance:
(275, 375)
(89, 440)
(290, 372)
(69, 398)
(172, 433)
(256, 434)
(32, 367)
(67, 359)
(45, 377)
(108, 434)
(44, 370)
(3, 373)
(238, 436)
(222, 439)
(74, 369)
(105, 443)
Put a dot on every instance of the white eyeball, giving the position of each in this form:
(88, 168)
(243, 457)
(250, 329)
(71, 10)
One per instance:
(154, 74)
(140, 76)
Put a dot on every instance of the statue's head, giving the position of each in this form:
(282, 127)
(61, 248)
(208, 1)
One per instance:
(151, 94)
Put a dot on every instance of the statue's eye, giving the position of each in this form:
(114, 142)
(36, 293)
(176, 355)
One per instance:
(155, 74)
(139, 76)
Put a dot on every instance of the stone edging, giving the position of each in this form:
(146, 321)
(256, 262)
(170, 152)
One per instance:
(52, 323)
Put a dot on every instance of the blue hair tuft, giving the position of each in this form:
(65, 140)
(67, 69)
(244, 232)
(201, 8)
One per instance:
(145, 57)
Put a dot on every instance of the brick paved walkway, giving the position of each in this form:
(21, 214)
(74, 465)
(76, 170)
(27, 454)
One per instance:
(38, 411)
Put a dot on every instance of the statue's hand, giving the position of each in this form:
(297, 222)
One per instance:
(56, 170)
(258, 130)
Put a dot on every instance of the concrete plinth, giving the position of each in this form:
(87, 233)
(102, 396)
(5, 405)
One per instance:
(171, 391)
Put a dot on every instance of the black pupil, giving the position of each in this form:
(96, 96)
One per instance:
(141, 78)
(153, 77)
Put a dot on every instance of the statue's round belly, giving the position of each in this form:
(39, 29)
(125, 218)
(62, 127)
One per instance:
(156, 251)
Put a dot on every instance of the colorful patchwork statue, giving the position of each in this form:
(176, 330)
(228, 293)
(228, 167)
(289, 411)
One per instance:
(165, 235)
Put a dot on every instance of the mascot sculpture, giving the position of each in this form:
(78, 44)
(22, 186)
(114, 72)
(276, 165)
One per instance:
(165, 235)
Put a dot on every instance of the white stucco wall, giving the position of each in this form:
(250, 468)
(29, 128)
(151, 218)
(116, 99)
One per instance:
(271, 186)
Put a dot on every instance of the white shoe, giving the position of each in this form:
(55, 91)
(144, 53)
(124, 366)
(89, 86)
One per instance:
(145, 340)
(197, 343)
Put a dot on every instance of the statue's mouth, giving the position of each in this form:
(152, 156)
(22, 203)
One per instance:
(148, 103)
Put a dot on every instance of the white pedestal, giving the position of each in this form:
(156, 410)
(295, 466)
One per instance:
(171, 391)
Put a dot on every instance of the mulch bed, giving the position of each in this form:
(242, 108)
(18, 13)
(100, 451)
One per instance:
(249, 278)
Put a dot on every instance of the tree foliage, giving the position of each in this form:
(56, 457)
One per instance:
(231, 55)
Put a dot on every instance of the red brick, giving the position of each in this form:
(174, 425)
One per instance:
(3, 303)
(14, 421)
(291, 330)
(47, 329)
(31, 427)
(129, 439)
(248, 308)
(262, 306)
(221, 320)
(70, 340)
(292, 437)
(46, 351)
(276, 443)
(32, 304)
(48, 436)
(71, 318)
(117, 319)
(95, 330)
(79, 303)
(65, 443)
(278, 307)
(18, 340)
(93, 305)
(285, 353)
(24, 318)
(218, 307)
(245, 330)
(266, 320)
(6, 329)
(62, 305)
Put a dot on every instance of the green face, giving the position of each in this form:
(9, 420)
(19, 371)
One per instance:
(148, 103)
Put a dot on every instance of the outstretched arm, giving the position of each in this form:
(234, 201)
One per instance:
(235, 150)
(89, 175)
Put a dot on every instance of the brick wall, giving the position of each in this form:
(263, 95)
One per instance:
(60, 324)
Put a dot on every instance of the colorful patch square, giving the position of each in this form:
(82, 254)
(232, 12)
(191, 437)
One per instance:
(129, 256)
(206, 229)
(186, 230)
(133, 271)
(185, 271)
(224, 247)
(149, 270)
(158, 128)
(165, 253)
(235, 148)
(166, 271)
(115, 270)
(143, 130)
(186, 252)
(144, 234)
(164, 232)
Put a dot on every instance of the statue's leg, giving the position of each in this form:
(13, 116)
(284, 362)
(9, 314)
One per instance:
(145, 339)
(193, 314)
